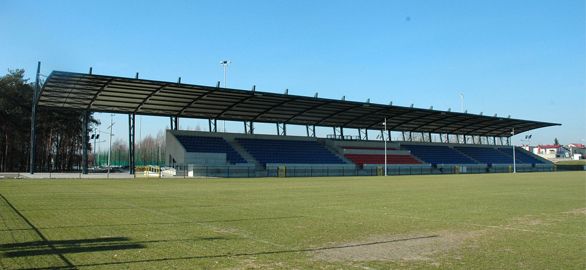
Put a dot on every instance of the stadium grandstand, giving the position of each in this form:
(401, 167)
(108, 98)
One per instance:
(433, 141)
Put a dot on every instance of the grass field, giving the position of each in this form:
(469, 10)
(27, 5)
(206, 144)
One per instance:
(486, 221)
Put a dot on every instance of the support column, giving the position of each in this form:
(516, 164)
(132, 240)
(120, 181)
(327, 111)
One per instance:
(363, 134)
(248, 127)
(174, 120)
(310, 129)
(131, 137)
(34, 120)
(281, 129)
(213, 125)
(84, 142)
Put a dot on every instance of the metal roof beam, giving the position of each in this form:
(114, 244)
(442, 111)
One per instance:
(145, 100)
(193, 101)
(475, 124)
(306, 110)
(362, 116)
(338, 113)
(394, 116)
(89, 107)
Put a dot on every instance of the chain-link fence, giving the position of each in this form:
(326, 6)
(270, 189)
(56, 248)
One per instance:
(189, 171)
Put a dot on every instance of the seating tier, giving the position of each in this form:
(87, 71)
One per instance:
(288, 151)
(486, 155)
(200, 144)
(521, 156)
(361, 159)
(437, 154)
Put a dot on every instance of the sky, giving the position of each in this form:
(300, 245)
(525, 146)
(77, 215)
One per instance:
(526, 59)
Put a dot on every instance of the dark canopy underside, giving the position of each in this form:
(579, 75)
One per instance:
(125, 95)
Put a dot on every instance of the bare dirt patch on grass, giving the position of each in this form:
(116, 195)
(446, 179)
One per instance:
(577, 211)
(410, 247)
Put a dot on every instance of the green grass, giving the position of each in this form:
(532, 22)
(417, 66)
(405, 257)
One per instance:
(486, 221)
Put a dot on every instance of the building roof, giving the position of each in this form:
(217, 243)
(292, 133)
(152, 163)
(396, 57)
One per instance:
(99, 93)
(549, 146)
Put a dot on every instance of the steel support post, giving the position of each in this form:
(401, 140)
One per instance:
(310, 129)
(174, 120)
(363, 134)
(84, 142)
(281, 129)
(248, 127)
(213, 125)
(338, 133)
(34, 120)
(131, 137)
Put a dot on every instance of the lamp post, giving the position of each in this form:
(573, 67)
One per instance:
(225, 64)
(514, 158)
(385, 140)
(110, 148)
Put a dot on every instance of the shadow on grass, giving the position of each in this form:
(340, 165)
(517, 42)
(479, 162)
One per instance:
(60, 247)
(159, 223)
(243, 254)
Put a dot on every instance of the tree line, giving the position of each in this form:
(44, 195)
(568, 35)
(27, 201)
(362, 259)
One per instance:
(58, 134)
(149, 151)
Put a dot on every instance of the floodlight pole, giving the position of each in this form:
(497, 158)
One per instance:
(514, 158)
(110, 148)
(225, 64)
(36, 91)
(385, 140)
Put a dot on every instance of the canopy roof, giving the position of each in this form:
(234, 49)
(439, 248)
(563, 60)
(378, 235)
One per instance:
(99, 93)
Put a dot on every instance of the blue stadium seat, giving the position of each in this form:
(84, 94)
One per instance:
(210, 145)
(288, 152)
(521, 155)
(438, 154)
(488, 155)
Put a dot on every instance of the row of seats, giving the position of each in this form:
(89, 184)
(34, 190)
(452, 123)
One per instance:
(521, 156)
(486, 155)
(437, 154)
(285, 151)
(312, 152)
(202, 144)
(361, 159)
(368, 148)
